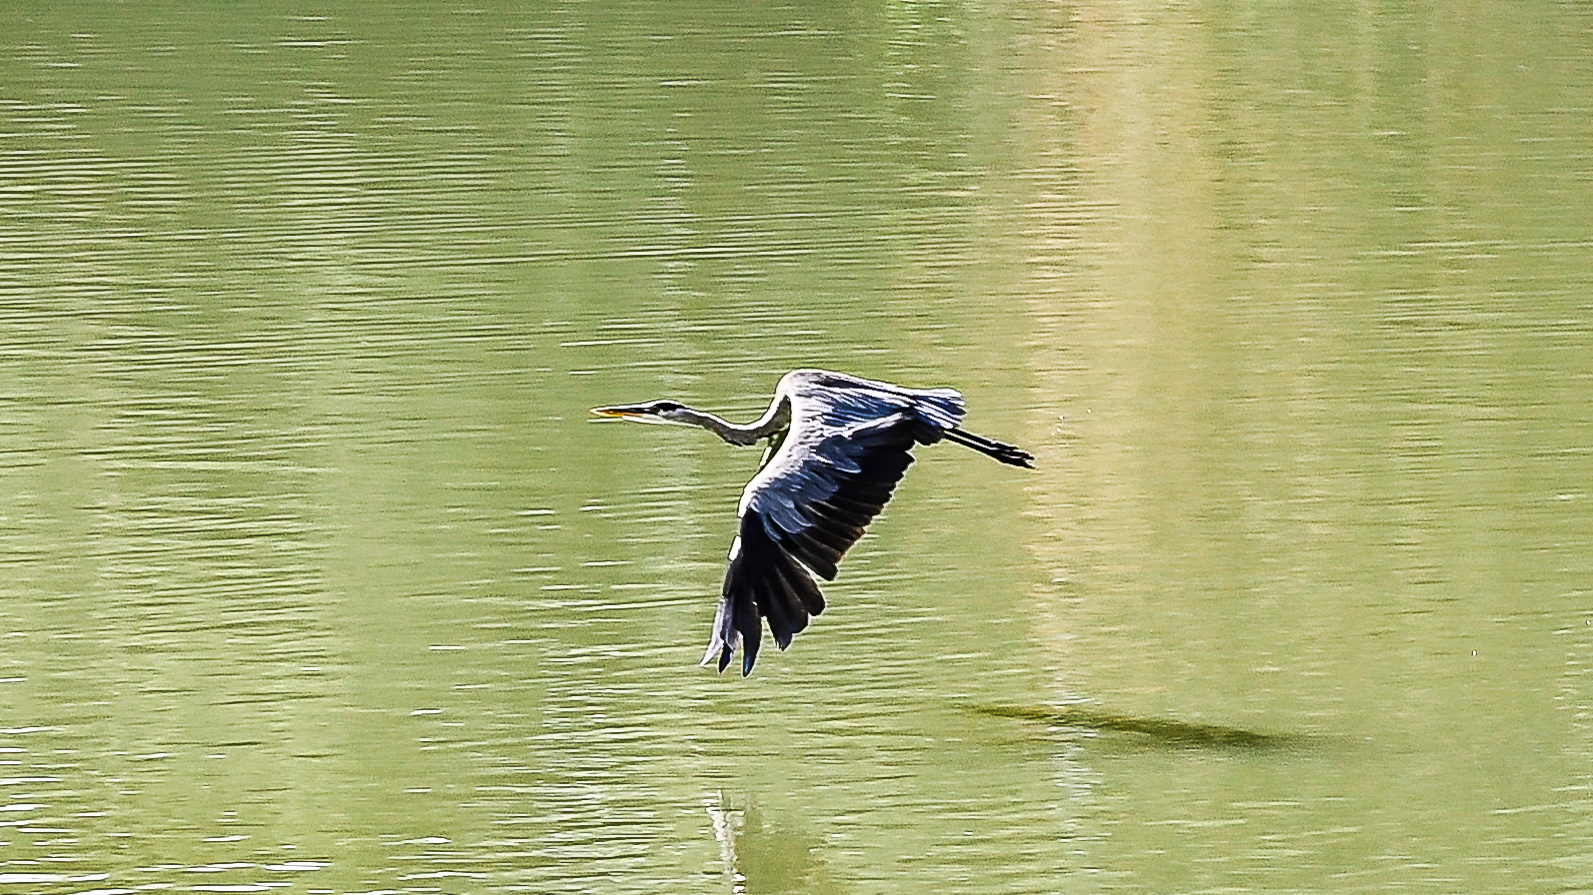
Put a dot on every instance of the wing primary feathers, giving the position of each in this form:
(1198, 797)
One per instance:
(847, 447)
(821, 558)
(764, 582)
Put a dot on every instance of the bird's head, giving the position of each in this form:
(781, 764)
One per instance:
(664, 412)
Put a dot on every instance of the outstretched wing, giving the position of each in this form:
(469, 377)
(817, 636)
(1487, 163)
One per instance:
(847, 449)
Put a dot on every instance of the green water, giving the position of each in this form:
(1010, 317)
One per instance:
(316, 577)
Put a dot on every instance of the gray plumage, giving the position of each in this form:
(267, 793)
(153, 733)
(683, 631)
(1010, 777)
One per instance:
(846, 443)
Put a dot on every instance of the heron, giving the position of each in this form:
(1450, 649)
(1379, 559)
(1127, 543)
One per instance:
(837, 447)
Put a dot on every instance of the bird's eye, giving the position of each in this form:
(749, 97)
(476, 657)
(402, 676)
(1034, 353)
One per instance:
(665, 406)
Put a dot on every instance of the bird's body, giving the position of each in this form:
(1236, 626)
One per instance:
(843, 444)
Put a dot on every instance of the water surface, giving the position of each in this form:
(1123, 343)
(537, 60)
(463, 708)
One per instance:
(317, 577)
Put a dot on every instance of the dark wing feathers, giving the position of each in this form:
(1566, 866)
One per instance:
(798, 522)
(847, 449)
(764, 580)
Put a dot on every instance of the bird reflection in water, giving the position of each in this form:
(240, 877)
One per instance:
(761, 858)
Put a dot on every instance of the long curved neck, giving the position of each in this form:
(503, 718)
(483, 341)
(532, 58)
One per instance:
(777, 417)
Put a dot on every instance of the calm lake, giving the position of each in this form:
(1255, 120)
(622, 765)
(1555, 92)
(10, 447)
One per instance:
(317, 576)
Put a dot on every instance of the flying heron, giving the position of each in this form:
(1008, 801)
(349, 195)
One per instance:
(837, 447)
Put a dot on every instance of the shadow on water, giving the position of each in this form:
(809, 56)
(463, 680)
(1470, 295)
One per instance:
(1159, 731)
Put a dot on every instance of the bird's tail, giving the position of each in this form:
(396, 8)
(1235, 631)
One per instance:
(1002, 451)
